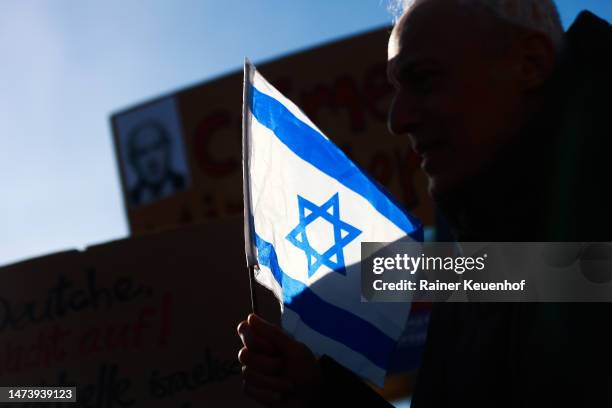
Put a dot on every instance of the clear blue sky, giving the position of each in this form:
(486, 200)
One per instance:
(67, 64)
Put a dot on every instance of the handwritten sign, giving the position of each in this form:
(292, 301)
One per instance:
(148, 321)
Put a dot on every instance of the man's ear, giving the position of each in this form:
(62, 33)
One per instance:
(538, 58)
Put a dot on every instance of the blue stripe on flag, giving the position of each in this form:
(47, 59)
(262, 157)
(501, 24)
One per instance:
(325, 318)
(315, 149)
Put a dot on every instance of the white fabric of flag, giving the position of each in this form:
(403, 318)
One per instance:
(310, 208)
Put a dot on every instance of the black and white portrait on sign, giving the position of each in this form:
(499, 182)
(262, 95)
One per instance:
(152, 152)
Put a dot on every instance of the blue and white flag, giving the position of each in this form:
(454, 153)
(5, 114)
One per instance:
(307, 209)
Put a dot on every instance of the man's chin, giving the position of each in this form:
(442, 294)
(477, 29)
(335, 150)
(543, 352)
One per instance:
(441, 174)
(435, 186)
(440, 187)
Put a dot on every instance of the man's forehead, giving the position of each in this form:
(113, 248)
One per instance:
(433, 26)
(443, 36)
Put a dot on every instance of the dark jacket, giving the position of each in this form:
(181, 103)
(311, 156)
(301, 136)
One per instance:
(553, 184)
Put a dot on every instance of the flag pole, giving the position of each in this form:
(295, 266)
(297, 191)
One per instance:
(249, 230)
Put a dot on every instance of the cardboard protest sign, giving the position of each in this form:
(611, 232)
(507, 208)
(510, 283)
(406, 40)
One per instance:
(149, 321)
(341, 86)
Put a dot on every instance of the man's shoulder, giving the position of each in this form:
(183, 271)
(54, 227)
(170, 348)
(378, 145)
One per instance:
(590, 37)
(588, 17)
(579, 200)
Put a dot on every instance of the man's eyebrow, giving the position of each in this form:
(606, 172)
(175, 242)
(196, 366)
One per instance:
(396, 66)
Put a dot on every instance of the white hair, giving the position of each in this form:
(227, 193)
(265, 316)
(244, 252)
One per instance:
(536, 15)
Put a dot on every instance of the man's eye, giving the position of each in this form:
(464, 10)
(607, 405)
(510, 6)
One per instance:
(423, 81)
(419, 80)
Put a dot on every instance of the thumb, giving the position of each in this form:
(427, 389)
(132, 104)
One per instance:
(272, 333)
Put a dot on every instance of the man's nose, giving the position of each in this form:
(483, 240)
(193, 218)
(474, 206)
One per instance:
(404, 114)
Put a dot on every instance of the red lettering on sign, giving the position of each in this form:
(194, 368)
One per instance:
(381, 167)
(166, 320)
(347, 96)
(202, 149)
(376, 88)
(142, 323)
(342, 95)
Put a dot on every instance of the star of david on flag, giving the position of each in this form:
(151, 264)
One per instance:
(308, 207)
(343, 234)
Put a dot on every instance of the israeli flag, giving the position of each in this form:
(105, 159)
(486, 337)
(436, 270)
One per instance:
(307, 209)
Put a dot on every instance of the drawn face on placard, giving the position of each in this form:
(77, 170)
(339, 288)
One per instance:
(149, 152)
(153, 158)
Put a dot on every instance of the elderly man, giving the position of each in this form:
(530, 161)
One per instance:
(507, 113)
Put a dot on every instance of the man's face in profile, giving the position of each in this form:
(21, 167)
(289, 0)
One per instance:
(150, 154)
(457, 96)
